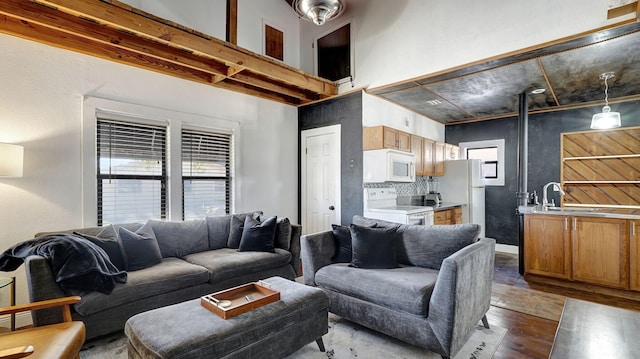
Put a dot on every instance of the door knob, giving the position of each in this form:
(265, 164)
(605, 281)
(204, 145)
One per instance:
(331, 208)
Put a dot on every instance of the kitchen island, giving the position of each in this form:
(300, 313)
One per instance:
(592, 249)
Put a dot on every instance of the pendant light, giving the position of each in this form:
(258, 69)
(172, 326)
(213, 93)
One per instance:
(318, 11)
(606, 119)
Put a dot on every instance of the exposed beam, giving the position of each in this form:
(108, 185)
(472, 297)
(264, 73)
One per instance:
(119, 18)
(232, 21)
(630, 8)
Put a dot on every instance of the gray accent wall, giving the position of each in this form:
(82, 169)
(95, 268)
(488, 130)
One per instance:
(346, 111)
(544, 157)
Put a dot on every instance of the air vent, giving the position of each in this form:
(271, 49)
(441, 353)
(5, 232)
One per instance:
(434, 102)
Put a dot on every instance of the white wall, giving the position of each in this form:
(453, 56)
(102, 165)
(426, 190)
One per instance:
(40, 108)
(209, 17)
(402, 39)
(377, 111)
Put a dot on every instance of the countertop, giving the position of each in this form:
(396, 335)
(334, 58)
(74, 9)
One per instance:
(448, 205)
(624, 213)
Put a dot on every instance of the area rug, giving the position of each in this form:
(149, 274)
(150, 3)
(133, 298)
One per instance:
(344, 340)
(528, 301)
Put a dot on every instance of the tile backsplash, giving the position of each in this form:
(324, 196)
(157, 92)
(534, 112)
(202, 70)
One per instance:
(417, 188)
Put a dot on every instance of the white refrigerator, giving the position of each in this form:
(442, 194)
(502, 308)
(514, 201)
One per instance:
(463, 183)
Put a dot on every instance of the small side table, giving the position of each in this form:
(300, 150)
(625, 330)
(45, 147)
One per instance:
(11, 283)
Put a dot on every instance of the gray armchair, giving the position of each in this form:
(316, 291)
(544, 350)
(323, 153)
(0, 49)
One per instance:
(434, 300)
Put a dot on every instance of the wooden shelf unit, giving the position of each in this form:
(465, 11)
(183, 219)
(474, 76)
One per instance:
(601, 168)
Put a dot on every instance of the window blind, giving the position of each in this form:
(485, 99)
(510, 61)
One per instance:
(206, 173)
(131, 171)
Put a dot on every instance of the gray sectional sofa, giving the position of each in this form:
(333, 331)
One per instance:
(194, 259)
(433, 297)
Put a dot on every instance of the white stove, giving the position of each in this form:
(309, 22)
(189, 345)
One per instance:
(381, 203)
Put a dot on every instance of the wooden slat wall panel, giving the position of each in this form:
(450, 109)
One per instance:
(604, 169)
(602, 194)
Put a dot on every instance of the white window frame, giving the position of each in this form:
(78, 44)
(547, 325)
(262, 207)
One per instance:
(499, 144)
(174, 120)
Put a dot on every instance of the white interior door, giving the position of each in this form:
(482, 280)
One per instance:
(320, 178)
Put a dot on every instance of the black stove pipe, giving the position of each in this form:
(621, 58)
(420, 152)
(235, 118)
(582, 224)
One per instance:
(522, 194)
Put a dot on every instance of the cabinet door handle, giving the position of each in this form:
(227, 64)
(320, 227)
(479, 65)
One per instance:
(566, 224)
(575, 224)
(633, 229)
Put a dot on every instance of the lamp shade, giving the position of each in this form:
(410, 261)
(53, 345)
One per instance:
(605, 119)
(11, 160)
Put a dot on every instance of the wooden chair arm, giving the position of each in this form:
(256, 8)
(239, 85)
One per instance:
(64, 302)
(17, 352)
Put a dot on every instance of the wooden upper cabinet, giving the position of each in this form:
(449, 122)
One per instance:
(439, 158)
(547, 246)
(428, 157)
(600, 251)
(379, 137)
(417, 148)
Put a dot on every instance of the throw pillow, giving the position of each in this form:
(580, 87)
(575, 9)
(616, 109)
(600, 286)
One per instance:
(112, 248)
(140, 247)
(374, 248)
(283, 233)
(342, 237)
(236, 227)
(180, 238)
(258, 236)
(218, 228)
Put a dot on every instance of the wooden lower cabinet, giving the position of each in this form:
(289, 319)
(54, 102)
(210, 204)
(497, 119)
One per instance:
(547, 246)
(600, 251)
(634, 255)
(448, 216)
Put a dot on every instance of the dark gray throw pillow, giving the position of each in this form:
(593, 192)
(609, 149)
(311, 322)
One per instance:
(236, 227)
(140, 247)
(342, 237)
(374, 248)
(258, 237)
(112, 247)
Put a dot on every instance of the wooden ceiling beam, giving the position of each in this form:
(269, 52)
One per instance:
(630, 8)
(122, 19)
(172, 57)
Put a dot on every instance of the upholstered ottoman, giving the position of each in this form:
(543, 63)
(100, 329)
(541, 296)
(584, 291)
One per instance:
(188, 330)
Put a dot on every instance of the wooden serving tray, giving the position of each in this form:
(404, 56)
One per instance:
(243, 299)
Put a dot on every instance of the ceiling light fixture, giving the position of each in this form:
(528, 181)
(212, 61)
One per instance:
(318, 11)
(606, 118)
(538, 91)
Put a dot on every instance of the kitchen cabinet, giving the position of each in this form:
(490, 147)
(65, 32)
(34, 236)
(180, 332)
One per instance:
(379, 137)
(600, 251)
(439, 158)
(428, 157)
(634, 255)
(417, 148)
(448, 216)
(590, 250)
(547, 246)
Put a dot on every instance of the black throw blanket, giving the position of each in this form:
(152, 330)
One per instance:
(79, 265)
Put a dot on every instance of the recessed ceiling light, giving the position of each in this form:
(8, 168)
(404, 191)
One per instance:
(434, 102)
(538, 91)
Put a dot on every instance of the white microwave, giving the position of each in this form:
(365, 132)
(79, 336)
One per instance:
(388, 166)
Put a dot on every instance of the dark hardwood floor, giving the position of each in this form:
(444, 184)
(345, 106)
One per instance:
(530, 336)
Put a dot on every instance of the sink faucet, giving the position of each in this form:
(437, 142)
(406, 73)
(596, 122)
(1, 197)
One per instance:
(545, 201)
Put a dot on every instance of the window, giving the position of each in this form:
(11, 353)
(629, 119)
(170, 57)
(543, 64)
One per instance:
(206, 173)
(131, 171)
(491, 153)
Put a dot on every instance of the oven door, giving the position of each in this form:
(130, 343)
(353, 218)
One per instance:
(421, 219)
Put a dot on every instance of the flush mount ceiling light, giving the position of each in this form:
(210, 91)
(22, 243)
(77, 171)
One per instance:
(606, 119)
(318, 11)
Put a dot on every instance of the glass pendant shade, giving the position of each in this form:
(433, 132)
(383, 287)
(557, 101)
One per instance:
(605, 119)
(318, 11)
